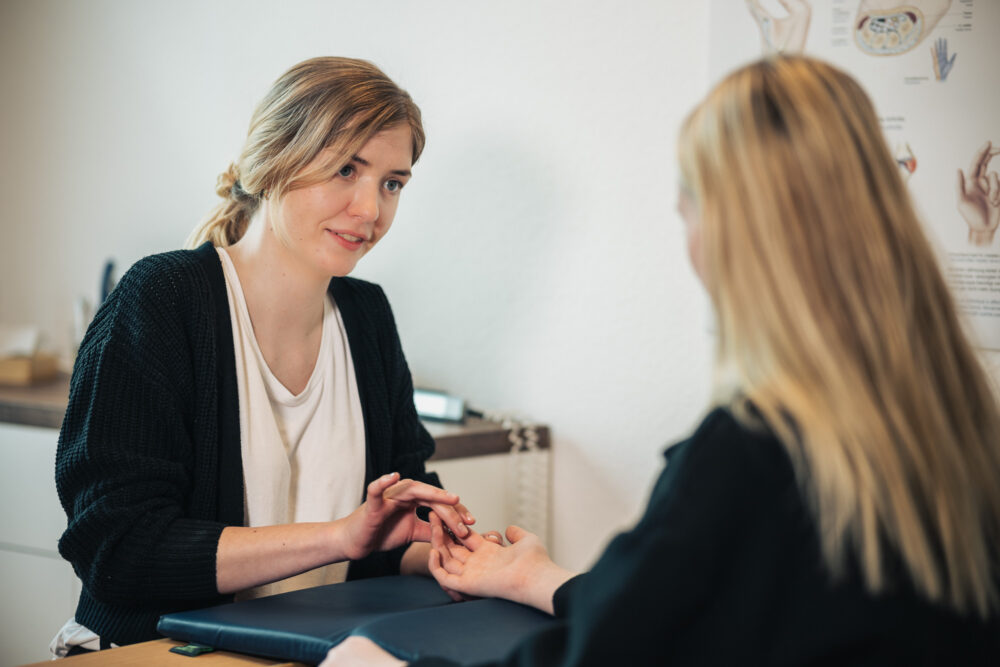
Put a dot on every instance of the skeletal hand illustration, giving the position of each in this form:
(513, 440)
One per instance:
(979, 196)
(942, 64)
(787, 34)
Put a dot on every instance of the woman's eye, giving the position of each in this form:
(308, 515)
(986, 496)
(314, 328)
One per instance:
(393, 185)
(346, 171)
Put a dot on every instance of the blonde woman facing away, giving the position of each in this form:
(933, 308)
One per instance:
(840, 504)
(233, 404)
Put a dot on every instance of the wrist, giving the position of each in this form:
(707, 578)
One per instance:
(981, 237)
(538, 589)
(343, 543)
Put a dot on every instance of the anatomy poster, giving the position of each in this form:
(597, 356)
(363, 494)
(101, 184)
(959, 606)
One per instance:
(931, 68)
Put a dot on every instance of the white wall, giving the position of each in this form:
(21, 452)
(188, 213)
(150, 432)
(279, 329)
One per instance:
(536, 265)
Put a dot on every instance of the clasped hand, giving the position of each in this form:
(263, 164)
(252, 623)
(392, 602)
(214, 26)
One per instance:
(388, 517)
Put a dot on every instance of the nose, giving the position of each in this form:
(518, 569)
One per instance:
(364, 203)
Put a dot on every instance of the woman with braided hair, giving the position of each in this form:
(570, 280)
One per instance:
(234, 403)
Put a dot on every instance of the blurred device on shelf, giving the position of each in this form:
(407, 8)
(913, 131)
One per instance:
(438, 406)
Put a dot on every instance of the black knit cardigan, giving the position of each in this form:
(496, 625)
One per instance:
(148, 466)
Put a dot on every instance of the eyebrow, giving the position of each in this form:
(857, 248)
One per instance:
(397, 172)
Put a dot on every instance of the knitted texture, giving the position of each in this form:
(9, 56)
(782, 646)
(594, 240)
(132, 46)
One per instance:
(724, 568)
(148, 466)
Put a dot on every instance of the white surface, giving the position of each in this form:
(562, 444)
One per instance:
(39, 596)
(536, 264)
(32, 517)
(39, 588)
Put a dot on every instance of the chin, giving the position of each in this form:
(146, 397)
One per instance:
(339, 267)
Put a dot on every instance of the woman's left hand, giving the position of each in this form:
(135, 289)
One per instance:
(359, 651)
(388, 517)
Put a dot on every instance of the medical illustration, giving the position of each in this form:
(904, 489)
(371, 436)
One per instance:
(906, 160)
(939, 56)
(888, 27)
(786, 34)
(979, 196)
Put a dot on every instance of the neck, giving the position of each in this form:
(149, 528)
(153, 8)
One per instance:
(280, 294)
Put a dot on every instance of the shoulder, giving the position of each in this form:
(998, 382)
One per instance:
(356, 288)
(174, 272)
(722, 435)
(361, 300)
(733, 454)
(159, 297)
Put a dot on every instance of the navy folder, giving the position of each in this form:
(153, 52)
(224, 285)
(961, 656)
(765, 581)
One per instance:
(411, 617)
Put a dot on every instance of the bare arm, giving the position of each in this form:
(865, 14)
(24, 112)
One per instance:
(248, 557)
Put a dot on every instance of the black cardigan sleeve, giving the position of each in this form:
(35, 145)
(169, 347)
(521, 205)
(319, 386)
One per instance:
(125, 458)
(636, 599)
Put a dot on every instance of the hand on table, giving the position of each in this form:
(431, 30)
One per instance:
(388, 517)
(479, 566)
(490, 535)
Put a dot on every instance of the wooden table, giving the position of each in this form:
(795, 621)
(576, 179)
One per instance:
(156, 653)
(45, 404)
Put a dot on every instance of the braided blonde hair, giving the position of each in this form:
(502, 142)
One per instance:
(321, 103)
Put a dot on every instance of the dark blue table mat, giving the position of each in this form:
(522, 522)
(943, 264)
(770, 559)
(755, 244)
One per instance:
(409, 616)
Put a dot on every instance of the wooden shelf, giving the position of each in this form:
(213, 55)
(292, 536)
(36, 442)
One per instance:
(37, 405)
(45, 404)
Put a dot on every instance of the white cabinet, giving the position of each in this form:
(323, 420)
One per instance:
(39, 589)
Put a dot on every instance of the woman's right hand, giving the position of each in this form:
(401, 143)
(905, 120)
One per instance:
(522, 572)
(388, 517)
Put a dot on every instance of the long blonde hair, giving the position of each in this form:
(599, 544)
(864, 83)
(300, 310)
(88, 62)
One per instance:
(321, 103)
(836, 326)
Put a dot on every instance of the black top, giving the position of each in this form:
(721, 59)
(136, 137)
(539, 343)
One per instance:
(725, 568)
(149, 468)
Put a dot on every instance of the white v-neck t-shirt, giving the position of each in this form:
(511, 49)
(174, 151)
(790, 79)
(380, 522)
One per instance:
(304, 454)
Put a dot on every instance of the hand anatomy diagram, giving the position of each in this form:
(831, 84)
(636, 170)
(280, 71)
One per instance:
(979, 196)
(786, 34)
(942, 63)
(891, 27)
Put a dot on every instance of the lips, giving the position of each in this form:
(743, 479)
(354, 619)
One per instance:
(349, 241)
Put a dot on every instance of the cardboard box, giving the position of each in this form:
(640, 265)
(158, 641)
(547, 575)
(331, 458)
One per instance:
(24, 371)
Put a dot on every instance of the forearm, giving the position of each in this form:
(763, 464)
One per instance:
(249, 557)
